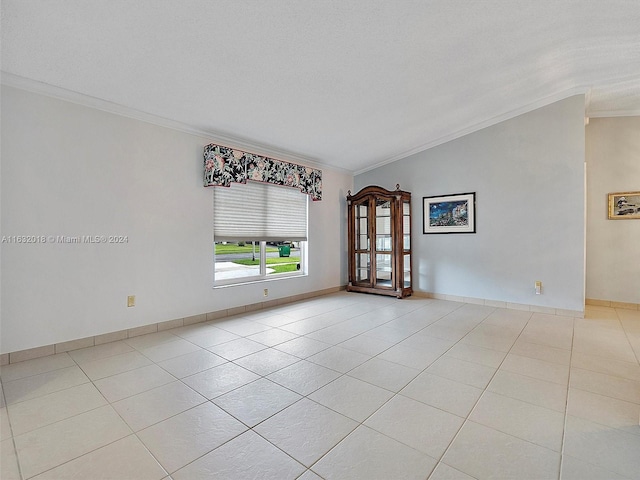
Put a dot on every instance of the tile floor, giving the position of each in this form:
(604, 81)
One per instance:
(346, 386)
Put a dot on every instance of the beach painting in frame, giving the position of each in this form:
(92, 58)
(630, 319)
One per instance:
(450, 213)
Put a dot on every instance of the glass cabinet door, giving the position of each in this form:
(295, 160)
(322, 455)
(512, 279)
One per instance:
(406, 243)
(362, 243)
(384, 243)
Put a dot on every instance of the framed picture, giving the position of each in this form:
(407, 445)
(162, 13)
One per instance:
(624, 205)
(450, 213)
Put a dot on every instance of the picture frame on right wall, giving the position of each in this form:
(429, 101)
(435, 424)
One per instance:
(449, 213)
(624, 205)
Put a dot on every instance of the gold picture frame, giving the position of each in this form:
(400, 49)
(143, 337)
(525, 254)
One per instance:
(624, 206)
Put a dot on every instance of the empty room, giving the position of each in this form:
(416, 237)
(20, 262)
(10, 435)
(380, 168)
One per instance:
(320, 240)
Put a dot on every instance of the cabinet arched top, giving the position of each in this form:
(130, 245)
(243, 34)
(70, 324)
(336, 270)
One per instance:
(378, 191)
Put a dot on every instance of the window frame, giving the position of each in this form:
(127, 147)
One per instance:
(263, 276)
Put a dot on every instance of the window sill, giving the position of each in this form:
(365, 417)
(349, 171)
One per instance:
(257, 280)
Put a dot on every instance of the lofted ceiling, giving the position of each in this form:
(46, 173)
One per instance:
(348, 84)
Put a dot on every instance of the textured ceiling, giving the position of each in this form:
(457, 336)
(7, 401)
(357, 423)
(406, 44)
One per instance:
(343, 83)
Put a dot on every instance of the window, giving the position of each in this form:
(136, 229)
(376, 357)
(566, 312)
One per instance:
(260, 232)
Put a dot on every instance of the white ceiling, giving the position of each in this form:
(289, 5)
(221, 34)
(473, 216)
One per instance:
(342, 83)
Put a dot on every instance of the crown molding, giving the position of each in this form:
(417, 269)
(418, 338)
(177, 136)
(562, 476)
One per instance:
(619, 86)
(614, 113)
(481, 125)
(34, 86)
(587, 100)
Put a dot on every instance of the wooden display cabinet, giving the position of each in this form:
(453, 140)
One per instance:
(380, 241)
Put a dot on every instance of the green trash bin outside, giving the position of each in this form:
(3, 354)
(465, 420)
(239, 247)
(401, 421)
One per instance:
(285, 250)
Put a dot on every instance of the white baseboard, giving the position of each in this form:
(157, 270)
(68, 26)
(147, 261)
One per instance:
(75, 344)
(500, 304)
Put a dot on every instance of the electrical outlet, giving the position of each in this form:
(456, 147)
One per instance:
(266, 292)
(538, 286)
(131, 301)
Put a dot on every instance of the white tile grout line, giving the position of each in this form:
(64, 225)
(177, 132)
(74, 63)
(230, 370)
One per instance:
(466, 419)
(626, 334)
(264, 376)
(13, 438)
(566, 404)
(346, 373)
(395, 394)
(566, 415)
(424, 369)
(180, 380)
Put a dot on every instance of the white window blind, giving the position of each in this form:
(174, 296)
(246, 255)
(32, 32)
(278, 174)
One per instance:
(259, 211)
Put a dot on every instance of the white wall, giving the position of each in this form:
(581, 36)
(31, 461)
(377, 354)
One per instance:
(73, 170)
(613, 246)
(528, 175)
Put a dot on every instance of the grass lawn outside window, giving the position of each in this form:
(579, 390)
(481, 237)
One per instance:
(242, 262)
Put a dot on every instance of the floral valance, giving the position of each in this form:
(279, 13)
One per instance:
(224, 165)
